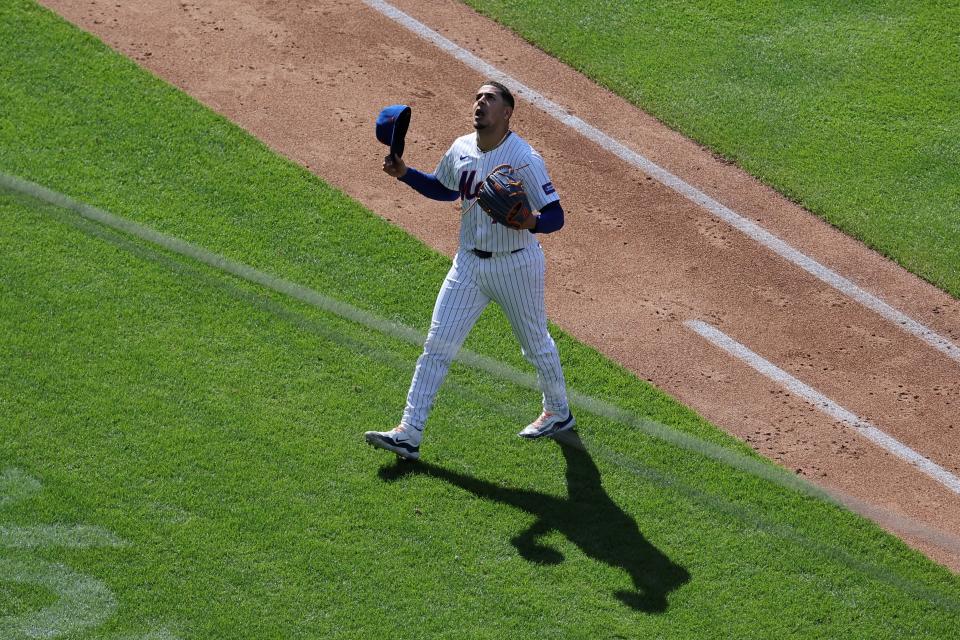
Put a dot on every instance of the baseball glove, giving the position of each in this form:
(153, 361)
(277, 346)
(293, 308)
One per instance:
(503, 197)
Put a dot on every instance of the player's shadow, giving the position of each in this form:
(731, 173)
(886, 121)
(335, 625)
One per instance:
(587, 517)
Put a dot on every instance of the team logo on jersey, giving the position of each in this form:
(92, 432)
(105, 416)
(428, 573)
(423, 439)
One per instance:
(467, 190)
(548, 188)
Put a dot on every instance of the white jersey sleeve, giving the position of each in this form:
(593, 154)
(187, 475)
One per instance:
(540, 191)
(446, 171)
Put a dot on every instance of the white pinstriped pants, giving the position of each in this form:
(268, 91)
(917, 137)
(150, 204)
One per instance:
(514, 281)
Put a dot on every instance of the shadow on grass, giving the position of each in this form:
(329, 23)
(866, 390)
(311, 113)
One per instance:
(614, 538)
(587, 517)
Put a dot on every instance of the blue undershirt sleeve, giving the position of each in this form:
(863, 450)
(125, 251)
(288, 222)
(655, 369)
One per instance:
(550, 218)
(427, 184)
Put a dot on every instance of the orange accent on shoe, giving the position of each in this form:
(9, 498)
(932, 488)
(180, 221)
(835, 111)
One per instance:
(546, 415)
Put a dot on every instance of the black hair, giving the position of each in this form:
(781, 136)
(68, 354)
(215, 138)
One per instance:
(504, 92)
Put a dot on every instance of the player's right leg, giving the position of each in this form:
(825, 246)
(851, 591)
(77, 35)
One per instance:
(459, 304)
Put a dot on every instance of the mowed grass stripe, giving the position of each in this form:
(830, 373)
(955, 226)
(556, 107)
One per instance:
(90, 219)
(202, 440)
(215, 428)
(747, 463)
(850, 109)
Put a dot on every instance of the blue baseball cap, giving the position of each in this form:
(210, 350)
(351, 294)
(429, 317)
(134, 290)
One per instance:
(392, 126)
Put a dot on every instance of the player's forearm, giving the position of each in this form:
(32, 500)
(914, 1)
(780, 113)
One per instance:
(550, 218)
(427, 184)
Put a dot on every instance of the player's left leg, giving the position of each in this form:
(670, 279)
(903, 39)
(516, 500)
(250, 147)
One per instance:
(517, 285)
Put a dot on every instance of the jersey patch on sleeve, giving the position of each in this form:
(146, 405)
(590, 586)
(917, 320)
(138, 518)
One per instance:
(548, 188)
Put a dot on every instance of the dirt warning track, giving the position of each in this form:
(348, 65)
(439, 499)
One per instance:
(637, 261)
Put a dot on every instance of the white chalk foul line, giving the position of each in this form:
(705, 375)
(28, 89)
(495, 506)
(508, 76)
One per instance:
(737, 221)
(825, 404)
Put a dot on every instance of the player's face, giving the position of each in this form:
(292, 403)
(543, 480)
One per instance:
(489, 108)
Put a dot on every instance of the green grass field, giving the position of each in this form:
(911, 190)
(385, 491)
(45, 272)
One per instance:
(207, 432)
(851, 109)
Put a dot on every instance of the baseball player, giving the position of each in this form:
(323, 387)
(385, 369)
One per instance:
(493, 262)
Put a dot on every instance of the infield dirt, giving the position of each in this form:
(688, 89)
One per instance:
(635, 259)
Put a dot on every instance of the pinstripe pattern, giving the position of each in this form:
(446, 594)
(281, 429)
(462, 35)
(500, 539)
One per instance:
(464, 161)
(515, 281)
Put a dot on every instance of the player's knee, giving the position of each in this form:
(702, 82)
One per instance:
(439, 350)
(539, 351)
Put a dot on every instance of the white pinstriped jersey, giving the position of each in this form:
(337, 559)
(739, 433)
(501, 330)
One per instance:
(464, 166)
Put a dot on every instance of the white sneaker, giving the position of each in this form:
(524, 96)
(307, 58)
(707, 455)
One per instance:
(548, 424)
(401, 440)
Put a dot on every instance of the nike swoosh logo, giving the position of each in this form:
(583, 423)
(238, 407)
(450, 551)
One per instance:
(463, 157)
